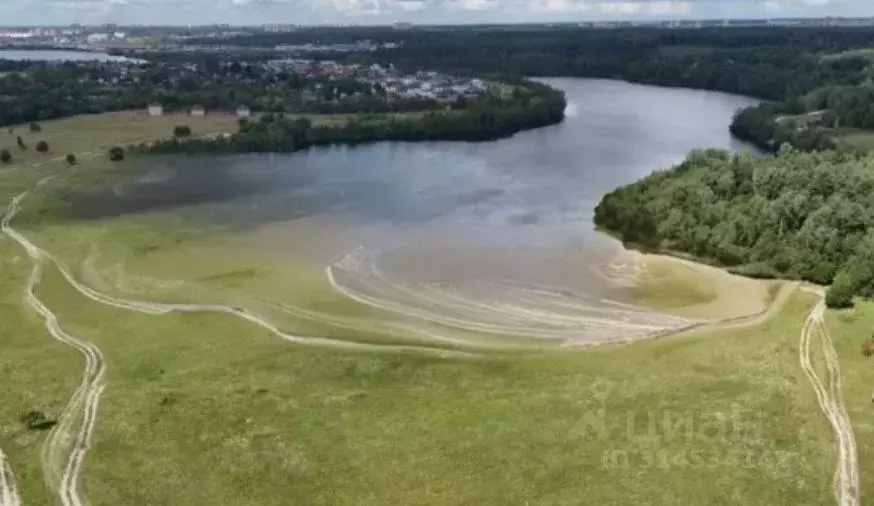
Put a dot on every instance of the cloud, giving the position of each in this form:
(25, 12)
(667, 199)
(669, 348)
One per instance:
(560, 6)
(476, 5)
(773, 6)
(420, 11)
(412, 5)
(669, 8)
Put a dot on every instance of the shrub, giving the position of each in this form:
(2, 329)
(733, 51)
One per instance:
(182, 131)
(71, 159)
(37, 420)
(116, 154)
(34, 127)
(42, 146)
(5, 156)
(840, 294)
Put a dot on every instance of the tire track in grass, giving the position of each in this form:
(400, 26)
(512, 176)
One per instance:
(159, 308)
(829, 396)
(76, 424)
(8, 490)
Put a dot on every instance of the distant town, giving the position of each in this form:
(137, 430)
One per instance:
(111, 36)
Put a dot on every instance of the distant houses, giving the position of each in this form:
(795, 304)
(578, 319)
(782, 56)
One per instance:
(197, 111)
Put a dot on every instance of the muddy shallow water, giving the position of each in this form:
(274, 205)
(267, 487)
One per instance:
(494, 236)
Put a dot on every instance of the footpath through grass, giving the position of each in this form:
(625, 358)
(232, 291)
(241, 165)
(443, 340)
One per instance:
(850, 329)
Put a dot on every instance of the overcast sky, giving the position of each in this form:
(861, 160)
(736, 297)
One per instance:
(31, 12)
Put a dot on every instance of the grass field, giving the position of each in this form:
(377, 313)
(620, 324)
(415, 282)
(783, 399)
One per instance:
(857, 140)
(97, 133)
(212, 400)
(209, 409)
(852, 328)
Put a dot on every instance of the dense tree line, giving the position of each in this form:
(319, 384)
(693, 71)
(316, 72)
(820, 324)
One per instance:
(528, 106)
(805, 215)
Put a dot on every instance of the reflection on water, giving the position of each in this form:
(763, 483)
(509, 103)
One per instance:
(491, 236)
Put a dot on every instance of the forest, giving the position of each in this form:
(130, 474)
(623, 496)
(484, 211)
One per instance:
(798, 215)
(530, 105)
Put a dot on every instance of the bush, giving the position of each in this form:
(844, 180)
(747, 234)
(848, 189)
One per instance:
(868, 348)
(5, 156)
(116, 154)
(840, 294)
(182, 131)
(37, 420)
(34, 127)
(42, 146)
(71, 159)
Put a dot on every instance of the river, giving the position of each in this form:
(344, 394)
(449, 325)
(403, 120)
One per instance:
(474, 234)
(57, 55)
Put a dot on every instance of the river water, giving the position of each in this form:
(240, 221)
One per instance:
(57, 55)
(494, 236)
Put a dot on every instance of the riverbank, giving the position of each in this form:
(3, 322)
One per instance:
(776, 227)
(691, 289)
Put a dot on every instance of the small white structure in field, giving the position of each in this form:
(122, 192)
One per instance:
(156, 110)
(198, 111)
(243, 112)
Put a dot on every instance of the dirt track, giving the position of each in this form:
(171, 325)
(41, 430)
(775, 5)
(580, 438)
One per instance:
(76, 424)
(8, 491)
(830, 399)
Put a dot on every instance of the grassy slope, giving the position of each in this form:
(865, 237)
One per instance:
(38, 373)
(211, 400)
(97, 133)
(850, 328)
(856, 140)
(204, 409)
